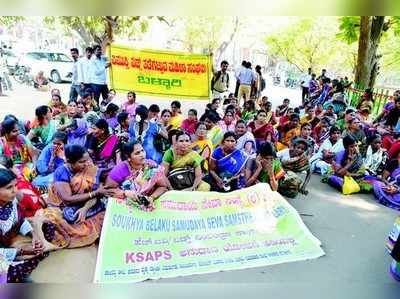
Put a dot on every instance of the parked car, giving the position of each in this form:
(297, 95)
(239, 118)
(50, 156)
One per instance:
(56, 66)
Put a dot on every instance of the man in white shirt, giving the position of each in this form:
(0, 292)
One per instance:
(98, 74)
(305, 84)
(83, 69)
(75, 86)
(246, 78)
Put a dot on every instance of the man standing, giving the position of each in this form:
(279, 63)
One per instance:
(84, 68)
(98, 74)
(75, 86)
(246, 78)
(244, 62)
(305, 85)
(220, 81)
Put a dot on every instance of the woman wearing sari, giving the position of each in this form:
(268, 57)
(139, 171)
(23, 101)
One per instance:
(214, 133)
(18, 148)
(137, 177)
(261, 129)
(267, 107)
(322, 161)
(349, 162)
(29, 198)
(321, 131)
(51, 157)
(76, 204)
(20, 247)
(103, 147)
(182, 163)
(43, 127)
(227, 124)
(249, 111)
(355, 130)
(227, 165)
(387, 190)
(176, 116)
(63, 122)
(202, 145)
(146, 131)
(295, 163)
(288, 131)
(246, 141)
(268, 168)
(77, 131)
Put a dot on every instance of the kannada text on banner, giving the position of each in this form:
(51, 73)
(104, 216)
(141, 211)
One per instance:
(202, 232)
(160, 73)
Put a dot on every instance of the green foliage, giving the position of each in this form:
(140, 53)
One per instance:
(96, 28)
(312, 42)
(349, 29)
(202, 32)
(9, 21)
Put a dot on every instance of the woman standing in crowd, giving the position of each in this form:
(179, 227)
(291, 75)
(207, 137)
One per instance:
(227, 165)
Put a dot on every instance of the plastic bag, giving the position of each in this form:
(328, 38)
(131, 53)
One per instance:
(350, 186)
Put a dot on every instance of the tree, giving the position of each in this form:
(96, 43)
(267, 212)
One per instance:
(101, 29)
(369, 31)
(311, 42)
(207, 34)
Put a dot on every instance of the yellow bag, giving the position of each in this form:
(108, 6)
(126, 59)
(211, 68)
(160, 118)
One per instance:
(350, 186)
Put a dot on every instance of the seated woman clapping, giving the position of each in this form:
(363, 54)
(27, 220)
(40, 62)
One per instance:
(137, 178)
(182, 166)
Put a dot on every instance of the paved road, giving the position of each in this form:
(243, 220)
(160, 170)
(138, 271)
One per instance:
(352, 229)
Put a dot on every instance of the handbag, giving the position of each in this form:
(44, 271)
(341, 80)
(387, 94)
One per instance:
(350, 186)
(181, 178)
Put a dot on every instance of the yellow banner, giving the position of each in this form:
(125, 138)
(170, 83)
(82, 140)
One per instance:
(160, 73)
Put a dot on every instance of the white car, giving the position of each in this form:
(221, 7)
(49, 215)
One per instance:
(56, 66)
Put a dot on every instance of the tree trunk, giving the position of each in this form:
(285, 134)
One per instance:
(367, 61)
(221, 49)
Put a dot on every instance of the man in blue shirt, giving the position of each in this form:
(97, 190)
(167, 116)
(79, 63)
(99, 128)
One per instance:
(98, 74)
(246, 78)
